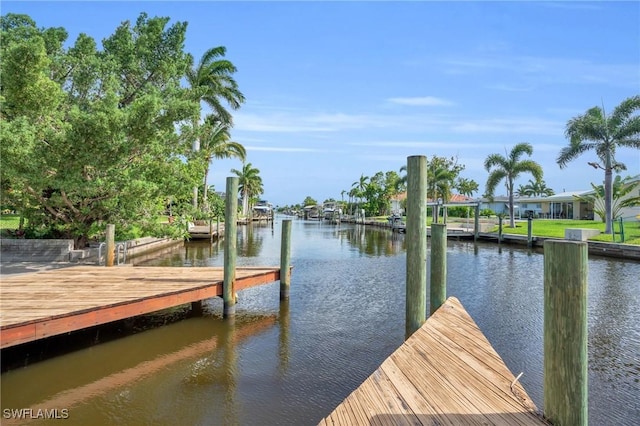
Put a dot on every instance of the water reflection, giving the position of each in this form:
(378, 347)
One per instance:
(127, 386)
(373, 241)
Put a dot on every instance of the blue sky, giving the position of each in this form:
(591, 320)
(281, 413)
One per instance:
(339, 89)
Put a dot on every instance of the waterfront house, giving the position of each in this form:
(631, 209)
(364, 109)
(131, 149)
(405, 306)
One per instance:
(564, 205)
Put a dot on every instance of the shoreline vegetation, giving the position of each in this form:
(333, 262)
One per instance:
(553, 228)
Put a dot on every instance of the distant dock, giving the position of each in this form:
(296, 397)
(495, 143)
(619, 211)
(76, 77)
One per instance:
(48, 303)
(446, 373)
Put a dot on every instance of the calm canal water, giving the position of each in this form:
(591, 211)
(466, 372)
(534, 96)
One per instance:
(292, 364)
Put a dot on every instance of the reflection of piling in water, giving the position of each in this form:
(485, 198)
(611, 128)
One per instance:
(283, 340)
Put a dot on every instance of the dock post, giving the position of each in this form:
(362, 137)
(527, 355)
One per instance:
(110, 251)
(476, 223)
(285, 260)
(500, 229)
(438, 285)
(529, 229)
(565, 332)
(416, 238)
(230, 247)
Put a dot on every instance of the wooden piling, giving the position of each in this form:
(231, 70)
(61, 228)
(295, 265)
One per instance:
(285, 260)
(565, 332)
(196, 308)
(529, 231)
(110, 249)
(476, 223)
(500, 229)
(416, 239)
(438, 284)
(230, 247)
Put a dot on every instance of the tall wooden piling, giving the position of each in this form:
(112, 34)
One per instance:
(565, 332)
(476, 223)
(285, 260)
(529, 231)
(230, 247)
(416, 239)
(438, 284)
(110, 249)
(500, 229)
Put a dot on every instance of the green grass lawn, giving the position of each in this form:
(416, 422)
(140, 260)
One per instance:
(555, 228)
(9, 221)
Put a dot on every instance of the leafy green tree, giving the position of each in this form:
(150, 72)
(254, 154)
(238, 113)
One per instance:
(92, 133)
(596, 131)
(620, 189)
(509, 168)
(309, 201)
(249, 184)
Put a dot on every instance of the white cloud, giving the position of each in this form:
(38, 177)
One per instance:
(537, 70)
(511, 125)
(422, 144)
(421, 101)
(283, 149)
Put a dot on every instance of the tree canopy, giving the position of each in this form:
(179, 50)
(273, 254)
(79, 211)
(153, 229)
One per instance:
(95, 135)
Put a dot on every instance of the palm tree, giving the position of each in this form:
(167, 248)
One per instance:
(215, 143)
(535, 189)
(211, 82)
(360, 186)
(620, 189)
(594, 130)
(509, 168)
(466, 186)
(440, 180)
(249, 184)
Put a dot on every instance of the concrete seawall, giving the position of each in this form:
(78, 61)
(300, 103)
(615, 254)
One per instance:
(598, 248)
(34, 250)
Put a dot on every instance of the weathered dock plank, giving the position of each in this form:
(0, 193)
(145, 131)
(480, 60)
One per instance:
(42, 304)
(446, 373)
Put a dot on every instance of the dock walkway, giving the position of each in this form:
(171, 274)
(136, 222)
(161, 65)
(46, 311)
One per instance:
(446, 373)
(42, 304)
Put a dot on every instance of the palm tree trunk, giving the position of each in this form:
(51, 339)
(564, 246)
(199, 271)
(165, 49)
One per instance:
(205, 189)
(608, 199)
(195, 147)
(512, 222)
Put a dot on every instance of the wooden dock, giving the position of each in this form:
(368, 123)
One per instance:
(446, 373)
(42, 304)
(205, 231)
